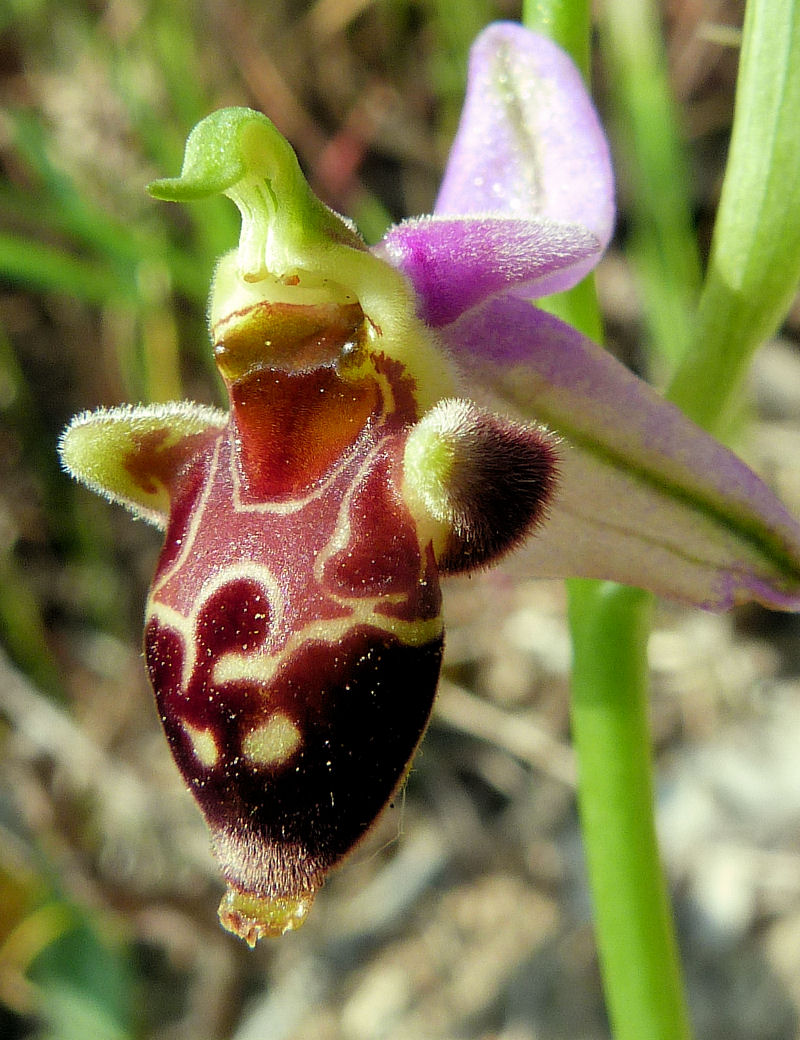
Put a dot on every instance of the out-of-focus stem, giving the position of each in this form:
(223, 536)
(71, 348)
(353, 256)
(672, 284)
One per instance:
(650, 152)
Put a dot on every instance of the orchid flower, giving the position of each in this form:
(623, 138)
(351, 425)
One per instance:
(294, 633)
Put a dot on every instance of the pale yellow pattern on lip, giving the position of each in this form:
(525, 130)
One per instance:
(272, 743)
(187, 625)
(261, 667)
(204, 745)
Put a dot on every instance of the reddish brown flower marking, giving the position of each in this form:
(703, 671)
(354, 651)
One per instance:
(294, 635)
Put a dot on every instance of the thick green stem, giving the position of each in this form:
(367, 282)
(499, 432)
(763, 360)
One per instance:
(635, 936)
(610, 626)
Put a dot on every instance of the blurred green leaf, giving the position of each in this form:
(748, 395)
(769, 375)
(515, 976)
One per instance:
(85, 987)
(651, 155)
(47, 268)
(754, 266)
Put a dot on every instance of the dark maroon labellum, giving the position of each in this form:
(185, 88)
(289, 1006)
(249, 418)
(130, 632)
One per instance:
(294, 635)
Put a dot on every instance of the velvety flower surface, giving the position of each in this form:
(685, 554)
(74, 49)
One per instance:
(294, 632)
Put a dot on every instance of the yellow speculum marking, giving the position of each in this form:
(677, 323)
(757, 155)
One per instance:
(272, 743)
(186, 625)
(261, 667)
(203, 743)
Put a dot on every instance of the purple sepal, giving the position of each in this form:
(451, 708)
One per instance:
(529, 144)
(645, 496)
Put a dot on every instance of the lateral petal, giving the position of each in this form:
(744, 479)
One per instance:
(131, 454)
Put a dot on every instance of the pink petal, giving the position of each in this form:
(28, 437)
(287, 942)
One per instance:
(529, 143)
(455, 262)
(646, 497)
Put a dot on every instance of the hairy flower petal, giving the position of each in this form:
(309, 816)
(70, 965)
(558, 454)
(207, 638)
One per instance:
(645, 496)
(455, 262)
(131, 454)
(529, 143)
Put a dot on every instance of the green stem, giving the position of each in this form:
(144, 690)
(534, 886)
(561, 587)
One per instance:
(610, 627)
(635, 937)
(566, 22)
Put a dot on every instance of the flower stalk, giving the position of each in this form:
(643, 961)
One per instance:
(610, 627)
(752, 275)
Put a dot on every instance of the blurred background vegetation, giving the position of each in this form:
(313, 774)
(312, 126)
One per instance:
(466, 914)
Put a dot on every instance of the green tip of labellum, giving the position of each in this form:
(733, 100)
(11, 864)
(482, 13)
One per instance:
(252, 917)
